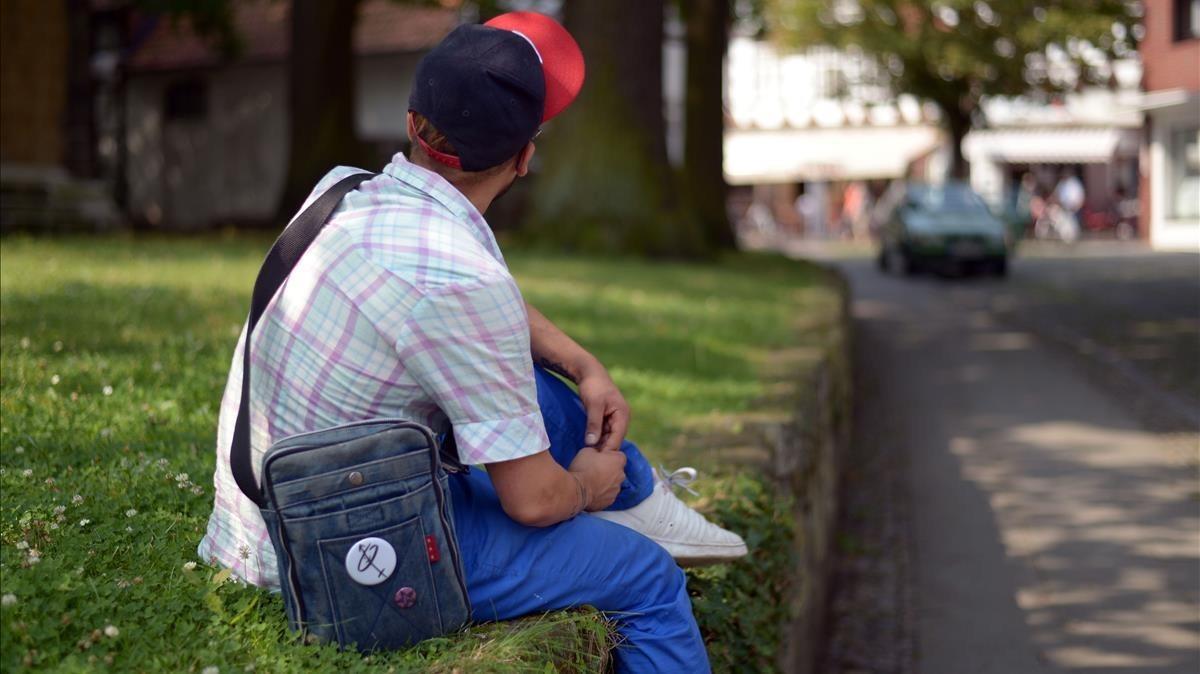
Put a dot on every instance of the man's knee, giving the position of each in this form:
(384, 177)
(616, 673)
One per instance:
(648, 573)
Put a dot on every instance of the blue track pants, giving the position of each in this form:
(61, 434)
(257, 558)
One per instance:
(514, 570)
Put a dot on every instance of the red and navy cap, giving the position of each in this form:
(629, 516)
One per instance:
(489, 87)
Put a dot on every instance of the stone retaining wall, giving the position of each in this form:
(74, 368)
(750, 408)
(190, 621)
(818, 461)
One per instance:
(796, 439)
(806, 451)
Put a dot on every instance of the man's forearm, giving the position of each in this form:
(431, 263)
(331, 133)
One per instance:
(554, 350)
(548, 497)
(536, 491)
(607, 411)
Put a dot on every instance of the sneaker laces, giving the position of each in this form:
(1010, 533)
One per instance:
(680, 477)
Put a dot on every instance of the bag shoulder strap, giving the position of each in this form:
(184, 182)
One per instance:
(280, 261)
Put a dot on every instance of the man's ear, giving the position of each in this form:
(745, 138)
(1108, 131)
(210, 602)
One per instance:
(412, 128)
(523, 159)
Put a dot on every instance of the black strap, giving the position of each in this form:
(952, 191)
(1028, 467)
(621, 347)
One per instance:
(282, 258)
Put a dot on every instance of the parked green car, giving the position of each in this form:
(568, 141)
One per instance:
(944, 227)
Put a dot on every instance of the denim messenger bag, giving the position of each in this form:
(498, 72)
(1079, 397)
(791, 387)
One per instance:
(359, 514)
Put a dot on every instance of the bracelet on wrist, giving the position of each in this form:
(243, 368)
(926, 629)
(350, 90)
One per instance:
(583, 495)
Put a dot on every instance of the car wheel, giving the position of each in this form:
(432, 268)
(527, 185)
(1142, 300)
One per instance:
(1000, 267)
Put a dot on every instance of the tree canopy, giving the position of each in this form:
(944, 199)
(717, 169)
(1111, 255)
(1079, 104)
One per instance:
(954, 52)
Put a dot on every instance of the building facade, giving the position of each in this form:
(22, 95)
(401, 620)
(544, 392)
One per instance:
(804, 128)
(1170, 181)
(1092, 133)
(207, 138)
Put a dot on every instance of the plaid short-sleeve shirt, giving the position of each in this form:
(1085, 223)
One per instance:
(403, 307)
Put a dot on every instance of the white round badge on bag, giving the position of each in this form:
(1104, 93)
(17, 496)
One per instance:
(371, 561)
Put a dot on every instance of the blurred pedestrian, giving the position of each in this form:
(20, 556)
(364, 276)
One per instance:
(1069, 194)
(1024, 201)
(811, 208)
(1127, 209)
(854, 203)
(1022, 206)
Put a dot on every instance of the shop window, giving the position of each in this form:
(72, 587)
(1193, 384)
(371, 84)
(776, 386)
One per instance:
(1186, 19)
(1183, 193)
(186, 100)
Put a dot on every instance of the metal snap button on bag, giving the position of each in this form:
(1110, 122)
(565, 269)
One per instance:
(352, 558)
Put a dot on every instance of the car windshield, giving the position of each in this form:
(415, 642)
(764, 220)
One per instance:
(934, 198)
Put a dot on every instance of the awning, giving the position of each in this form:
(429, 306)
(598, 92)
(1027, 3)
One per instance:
(1168, 98)
(1051, 145)
(854, 153)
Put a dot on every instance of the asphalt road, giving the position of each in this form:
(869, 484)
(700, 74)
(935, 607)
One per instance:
(1014, 503)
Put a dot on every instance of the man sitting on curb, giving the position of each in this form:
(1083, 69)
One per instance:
(404, 307)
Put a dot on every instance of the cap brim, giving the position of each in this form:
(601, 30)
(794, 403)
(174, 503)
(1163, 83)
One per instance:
(562, 60)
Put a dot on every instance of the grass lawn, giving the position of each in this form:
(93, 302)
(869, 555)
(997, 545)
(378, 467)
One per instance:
(114, 354)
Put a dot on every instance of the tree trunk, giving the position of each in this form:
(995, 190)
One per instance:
(321, 96)
(605, 183)
(703, 173)
(81, 97)
(958, 124)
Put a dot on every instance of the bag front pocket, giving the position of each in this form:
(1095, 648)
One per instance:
(381, 588)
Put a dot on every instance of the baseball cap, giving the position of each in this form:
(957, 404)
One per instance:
(488, 88)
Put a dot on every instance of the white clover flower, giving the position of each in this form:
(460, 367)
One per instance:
(33, 559)
(77, 499)
(53, 526)
(197, 490)
(22, 545)
(111, 631)
(156, 366)
(244, 551)
(105, 432)
(60, 509)
(58, 346)
(19, 449)
(84, 522)
(211, 669)
(49, 481)
(8, 599)
(132, 512)
(24, 342)
(189, 566)
(181, 477)
(54, 380)
(28, 472)
(129, 529)
(108, 390)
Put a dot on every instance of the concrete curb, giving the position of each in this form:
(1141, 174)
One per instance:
(807, 453)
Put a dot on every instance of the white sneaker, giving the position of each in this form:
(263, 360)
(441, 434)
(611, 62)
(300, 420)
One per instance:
(690, 538)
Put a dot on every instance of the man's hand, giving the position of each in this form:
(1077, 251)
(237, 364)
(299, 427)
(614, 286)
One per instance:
(601, 473)
(607, 411)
